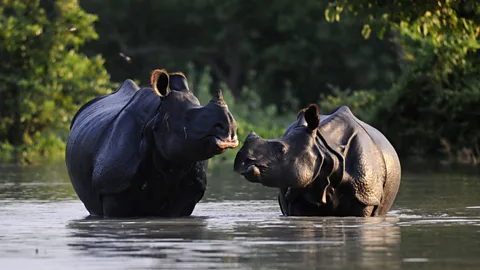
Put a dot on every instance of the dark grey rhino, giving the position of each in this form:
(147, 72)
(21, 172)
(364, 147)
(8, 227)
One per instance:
(328, 165)
(144, 152)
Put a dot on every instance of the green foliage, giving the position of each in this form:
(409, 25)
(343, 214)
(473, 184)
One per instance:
(43, 79)
(445, 51)
(270, 60)
(437, 38)
(423, 116)
(453, 16)
(432, 107)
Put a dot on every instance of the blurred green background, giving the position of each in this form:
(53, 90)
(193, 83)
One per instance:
(409, 68)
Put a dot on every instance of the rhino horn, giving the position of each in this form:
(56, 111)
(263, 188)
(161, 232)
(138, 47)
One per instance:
(218, 99)
(251, 135)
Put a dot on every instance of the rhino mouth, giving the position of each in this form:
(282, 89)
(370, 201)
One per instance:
(225, 144)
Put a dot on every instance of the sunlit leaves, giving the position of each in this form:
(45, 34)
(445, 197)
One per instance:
(44, 80)
(446, 30)
(332, 12)
(427, 35)
(366, 30)
(438, 94)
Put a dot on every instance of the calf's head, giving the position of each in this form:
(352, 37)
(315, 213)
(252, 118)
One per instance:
(183, 130)
(290, 161)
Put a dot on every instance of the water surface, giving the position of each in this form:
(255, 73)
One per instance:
(433, 224)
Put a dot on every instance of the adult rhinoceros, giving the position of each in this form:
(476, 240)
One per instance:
(144, 152)
(328, 165)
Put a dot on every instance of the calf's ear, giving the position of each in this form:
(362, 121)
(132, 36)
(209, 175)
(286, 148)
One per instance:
(160, 81)
(312, 117)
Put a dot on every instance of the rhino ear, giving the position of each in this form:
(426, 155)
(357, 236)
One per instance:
(178, 81)
(312, 117)
(279, 147)
(160, 81)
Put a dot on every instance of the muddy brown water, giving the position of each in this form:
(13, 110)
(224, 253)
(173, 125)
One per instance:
(433, 224)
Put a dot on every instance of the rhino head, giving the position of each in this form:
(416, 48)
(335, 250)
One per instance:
(289, 161)
(184, 130)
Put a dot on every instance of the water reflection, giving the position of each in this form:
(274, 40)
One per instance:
(45, 182)
(249, 242)
(136, 238)
(434, 224)
(339, 243)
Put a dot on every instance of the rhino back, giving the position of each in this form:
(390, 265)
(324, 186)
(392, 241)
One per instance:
(392, 166)
(105, 107)
(90, 126)
(118, 159)
(362, 155)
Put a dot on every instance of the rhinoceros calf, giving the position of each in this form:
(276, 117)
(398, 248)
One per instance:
(328, 165)
(144, 152)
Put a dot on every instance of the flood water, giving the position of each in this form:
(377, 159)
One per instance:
(433, 224)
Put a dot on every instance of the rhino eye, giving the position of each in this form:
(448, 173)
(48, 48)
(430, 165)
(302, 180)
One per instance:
(280, 147)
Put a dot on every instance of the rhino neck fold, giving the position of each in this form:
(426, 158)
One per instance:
(149, 151)
(333, 164)
(327, 175)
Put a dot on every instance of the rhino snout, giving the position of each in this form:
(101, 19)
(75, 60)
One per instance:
(252, 173)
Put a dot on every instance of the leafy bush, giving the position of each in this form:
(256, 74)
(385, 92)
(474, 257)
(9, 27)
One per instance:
(44, 80)
(423, 116)
(432, 108)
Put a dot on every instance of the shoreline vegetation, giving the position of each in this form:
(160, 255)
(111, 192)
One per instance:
(411, 72)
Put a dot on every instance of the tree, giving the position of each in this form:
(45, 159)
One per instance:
(43, 79)
(282, 49)
(449, 29)
(432, 108)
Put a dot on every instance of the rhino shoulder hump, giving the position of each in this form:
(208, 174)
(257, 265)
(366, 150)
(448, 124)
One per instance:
(125, 91)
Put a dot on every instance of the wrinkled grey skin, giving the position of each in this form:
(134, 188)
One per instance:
(328, 165)
(143, 152)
